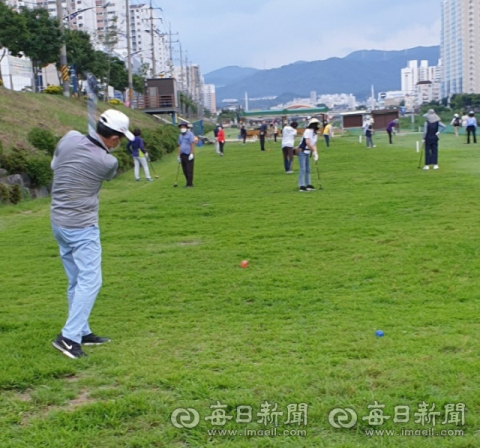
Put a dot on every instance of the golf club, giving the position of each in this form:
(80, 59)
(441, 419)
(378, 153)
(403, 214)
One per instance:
(153, 169)
(176, 177)
(318, 175)
(421, 156)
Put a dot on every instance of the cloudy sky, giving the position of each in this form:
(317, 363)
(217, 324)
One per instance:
(270, 33)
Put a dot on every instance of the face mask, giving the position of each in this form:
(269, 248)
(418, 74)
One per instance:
(183, 130)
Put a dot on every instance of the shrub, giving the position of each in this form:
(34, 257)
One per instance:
(42, 139)
(15, 194)
(53, 90)
(115, 102)
(4, 194)
(125, 160)
(39, 171)
(15, 162)
(153, 144)
(168, 136)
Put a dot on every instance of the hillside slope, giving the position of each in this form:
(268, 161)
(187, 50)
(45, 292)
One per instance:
(20, 112)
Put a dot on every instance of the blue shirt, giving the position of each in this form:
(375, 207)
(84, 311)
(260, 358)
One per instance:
(471, 121)
(137, 147)
(185, 142)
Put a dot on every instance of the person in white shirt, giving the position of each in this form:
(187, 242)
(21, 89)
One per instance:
(471, 127)
(289, 133)
(307, 149)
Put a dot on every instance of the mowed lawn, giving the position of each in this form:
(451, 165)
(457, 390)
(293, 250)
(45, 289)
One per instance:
(383, 246)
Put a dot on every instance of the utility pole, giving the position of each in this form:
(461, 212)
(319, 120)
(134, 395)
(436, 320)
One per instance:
(181, 69)
(154, 67)
(170, 42)
(63, 52)
(129, 55)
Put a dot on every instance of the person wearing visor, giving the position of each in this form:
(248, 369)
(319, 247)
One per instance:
(80, 165)
(307, 149)
(186, 152)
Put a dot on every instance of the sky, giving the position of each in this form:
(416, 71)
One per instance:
(267, 34)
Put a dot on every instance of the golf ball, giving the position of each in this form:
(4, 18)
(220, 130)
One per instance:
(379, 333)
(244, 264)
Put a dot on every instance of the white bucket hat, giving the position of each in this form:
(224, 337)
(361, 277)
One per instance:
(117, 121)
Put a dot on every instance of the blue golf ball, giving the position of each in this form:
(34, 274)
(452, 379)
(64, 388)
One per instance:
(379, 333)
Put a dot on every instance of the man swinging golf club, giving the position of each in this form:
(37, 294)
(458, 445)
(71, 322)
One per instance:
(80, 164)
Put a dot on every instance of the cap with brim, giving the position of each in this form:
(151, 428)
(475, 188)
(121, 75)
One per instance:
(183, 125)
(117, 121)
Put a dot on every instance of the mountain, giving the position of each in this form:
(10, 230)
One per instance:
(228, 75)
(355, 74)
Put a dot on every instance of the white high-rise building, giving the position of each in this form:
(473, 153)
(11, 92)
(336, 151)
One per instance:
(209, 98)
(460, 46)
(415, 73)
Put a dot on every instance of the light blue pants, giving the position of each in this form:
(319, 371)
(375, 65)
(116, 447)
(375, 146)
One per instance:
(304, 176)
(81, 255)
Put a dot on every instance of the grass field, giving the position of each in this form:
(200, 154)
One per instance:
(383, 246)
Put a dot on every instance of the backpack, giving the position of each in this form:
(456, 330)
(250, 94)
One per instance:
(457, 122)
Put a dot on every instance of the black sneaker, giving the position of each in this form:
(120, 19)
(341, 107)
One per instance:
(68, 348)
(302, 189)
(310, 188)
(91, 339)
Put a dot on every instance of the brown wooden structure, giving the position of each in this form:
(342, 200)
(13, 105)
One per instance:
(382, 118)
(161, 96)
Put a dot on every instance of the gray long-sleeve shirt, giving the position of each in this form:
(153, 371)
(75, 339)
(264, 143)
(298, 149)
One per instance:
(441, 128)
(79, 168)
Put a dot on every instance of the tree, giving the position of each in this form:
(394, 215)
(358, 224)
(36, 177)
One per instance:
(139, 78)
(43, 38)
(118, 74)
(80, 51)
(13, 31)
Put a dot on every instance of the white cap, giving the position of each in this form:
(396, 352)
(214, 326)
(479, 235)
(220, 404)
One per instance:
(117, 121)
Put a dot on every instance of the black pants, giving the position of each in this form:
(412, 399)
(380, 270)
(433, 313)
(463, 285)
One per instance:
(287, 158)
(244, 138)
(262, 142)
(471, 130)
(390, 136)
(275, 137)
(431, 153)
(187, 166)
(221, 145)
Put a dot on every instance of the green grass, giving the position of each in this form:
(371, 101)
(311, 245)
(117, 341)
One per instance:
(383, 246)
(21, 111)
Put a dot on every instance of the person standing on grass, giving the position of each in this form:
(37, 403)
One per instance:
(369, 137)
(471, 127)
(243, 133)
(80, 165)
(308, 148)
(186, 153)
(140, 156)
(327, 132)
(391, 129)
(221, 140)
(215, 133)
(456, 122)
(262, 135)
(275, 132)
(289, 133)
(431, 130)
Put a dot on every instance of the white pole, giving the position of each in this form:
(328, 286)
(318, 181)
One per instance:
(418, 146)
(359, 139)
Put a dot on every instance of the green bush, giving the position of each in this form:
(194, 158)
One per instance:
(168, 136)
(15, 194)
(14, 162)
(153, 144)
(39, 171)
(125, 160)
(115, 102)
(4, 194)
(42, 139)
(53, 90)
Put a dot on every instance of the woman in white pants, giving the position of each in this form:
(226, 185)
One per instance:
(140, 156)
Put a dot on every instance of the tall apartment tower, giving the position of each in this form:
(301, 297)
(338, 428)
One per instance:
(460, 46)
